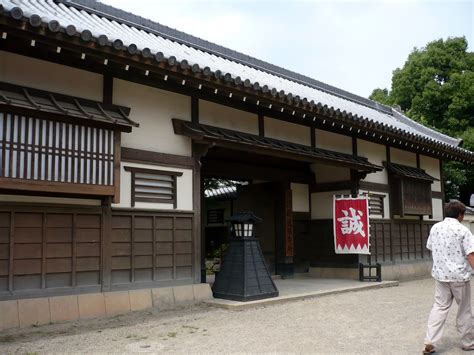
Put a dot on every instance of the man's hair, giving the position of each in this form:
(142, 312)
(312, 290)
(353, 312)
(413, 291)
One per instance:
(454, 208)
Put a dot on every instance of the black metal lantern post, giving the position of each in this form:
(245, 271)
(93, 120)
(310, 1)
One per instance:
(243, 275)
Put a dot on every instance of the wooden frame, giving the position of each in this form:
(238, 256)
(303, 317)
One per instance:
(154, 197)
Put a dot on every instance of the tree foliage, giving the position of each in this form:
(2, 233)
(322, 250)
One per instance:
(435, 86)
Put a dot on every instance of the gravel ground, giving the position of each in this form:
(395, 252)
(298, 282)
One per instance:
(379, 321)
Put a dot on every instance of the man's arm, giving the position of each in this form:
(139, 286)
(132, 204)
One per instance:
(470, 258)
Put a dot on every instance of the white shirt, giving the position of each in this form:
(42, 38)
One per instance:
(450, 242)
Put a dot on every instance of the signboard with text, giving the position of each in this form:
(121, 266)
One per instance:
(351, 225)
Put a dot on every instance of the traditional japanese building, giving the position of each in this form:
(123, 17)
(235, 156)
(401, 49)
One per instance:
(109, 123)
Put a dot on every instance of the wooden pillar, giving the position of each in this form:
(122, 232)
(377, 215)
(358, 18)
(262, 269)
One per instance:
(284, 238)
(106, 244)
(199, 267)
(355, 178)
(107, 89)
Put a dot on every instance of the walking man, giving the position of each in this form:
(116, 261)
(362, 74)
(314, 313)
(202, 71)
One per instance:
(452, 247)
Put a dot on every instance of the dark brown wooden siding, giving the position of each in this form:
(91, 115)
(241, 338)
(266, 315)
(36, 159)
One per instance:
(391, 240)
(151, 247)
(46, 250)
(399, 239)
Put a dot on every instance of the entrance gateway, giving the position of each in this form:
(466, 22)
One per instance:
(273, 170)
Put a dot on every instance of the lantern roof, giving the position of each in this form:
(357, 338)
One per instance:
(242, 217)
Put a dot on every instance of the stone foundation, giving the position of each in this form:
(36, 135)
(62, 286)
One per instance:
(37, 311)
(390, 272)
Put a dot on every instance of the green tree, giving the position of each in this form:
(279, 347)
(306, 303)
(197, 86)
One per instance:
(435, 86)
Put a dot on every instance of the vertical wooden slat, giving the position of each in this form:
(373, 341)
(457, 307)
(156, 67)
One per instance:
(132, 197)
(117, 157)
(74, 251)
(175, 192)
(12, 250)
(173, 245)
(19, 147)
(73, 153)
(33, 147)
(4, 144)
(132, 251)
(153, 247)
(383, 241)
(54, 147)
(97, 156)
(79, 154)
(103, 160)
(46, 156)
(10, 164)
(40, 149)
(86, 151)
(66, 155)
(313, 137)
(44, 247)
(110, 157)
(106, 244)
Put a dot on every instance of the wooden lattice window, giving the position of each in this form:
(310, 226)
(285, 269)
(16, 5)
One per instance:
(153, 186)
(44, 150)
(376, 204)
(215, 216)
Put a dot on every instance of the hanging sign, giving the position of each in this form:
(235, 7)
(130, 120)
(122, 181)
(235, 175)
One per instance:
(351, 225)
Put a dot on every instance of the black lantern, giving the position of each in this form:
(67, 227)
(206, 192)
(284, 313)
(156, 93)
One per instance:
(242, 224)
(244, 275)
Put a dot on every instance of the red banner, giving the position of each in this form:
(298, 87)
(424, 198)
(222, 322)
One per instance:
(351, 225)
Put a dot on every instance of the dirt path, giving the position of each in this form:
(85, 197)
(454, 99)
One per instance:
(381, 321)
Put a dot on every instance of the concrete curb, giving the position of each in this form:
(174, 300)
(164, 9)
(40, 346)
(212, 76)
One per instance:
(238, 306)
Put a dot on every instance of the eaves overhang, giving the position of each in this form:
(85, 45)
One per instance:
(216, 136)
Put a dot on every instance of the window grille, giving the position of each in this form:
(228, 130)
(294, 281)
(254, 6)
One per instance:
(44, 150)
(215, 216)
(153, 186)
(376, 204)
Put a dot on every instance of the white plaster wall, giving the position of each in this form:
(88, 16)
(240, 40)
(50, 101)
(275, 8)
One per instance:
(376, 154)
(437, 210)
(403, 157)
(322, 204)
(330, 173)
(431, 166)
(153, 109)
(184, 189)
(49, 200)
(226, 117)
(333, 141)
(286, 131)
(300, 197)
(39, 74)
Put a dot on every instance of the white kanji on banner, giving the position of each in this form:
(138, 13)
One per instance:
(351, 225)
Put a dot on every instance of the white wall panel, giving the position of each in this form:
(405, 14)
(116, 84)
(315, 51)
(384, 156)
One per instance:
(184, 189)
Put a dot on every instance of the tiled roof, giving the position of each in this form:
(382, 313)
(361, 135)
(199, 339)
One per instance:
(22, 99)
(270, 146)
(119, 29)
(409, 172)
(223, 192)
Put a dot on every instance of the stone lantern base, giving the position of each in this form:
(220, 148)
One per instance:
(244, 275)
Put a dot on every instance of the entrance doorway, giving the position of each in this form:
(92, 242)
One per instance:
(250, 182)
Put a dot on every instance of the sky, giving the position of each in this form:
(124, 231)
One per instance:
(353, 45)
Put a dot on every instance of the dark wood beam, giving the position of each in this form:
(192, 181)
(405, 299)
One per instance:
(108, 89)
(194, 109)
(261, 125)
(244, 171)
(150, 157)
